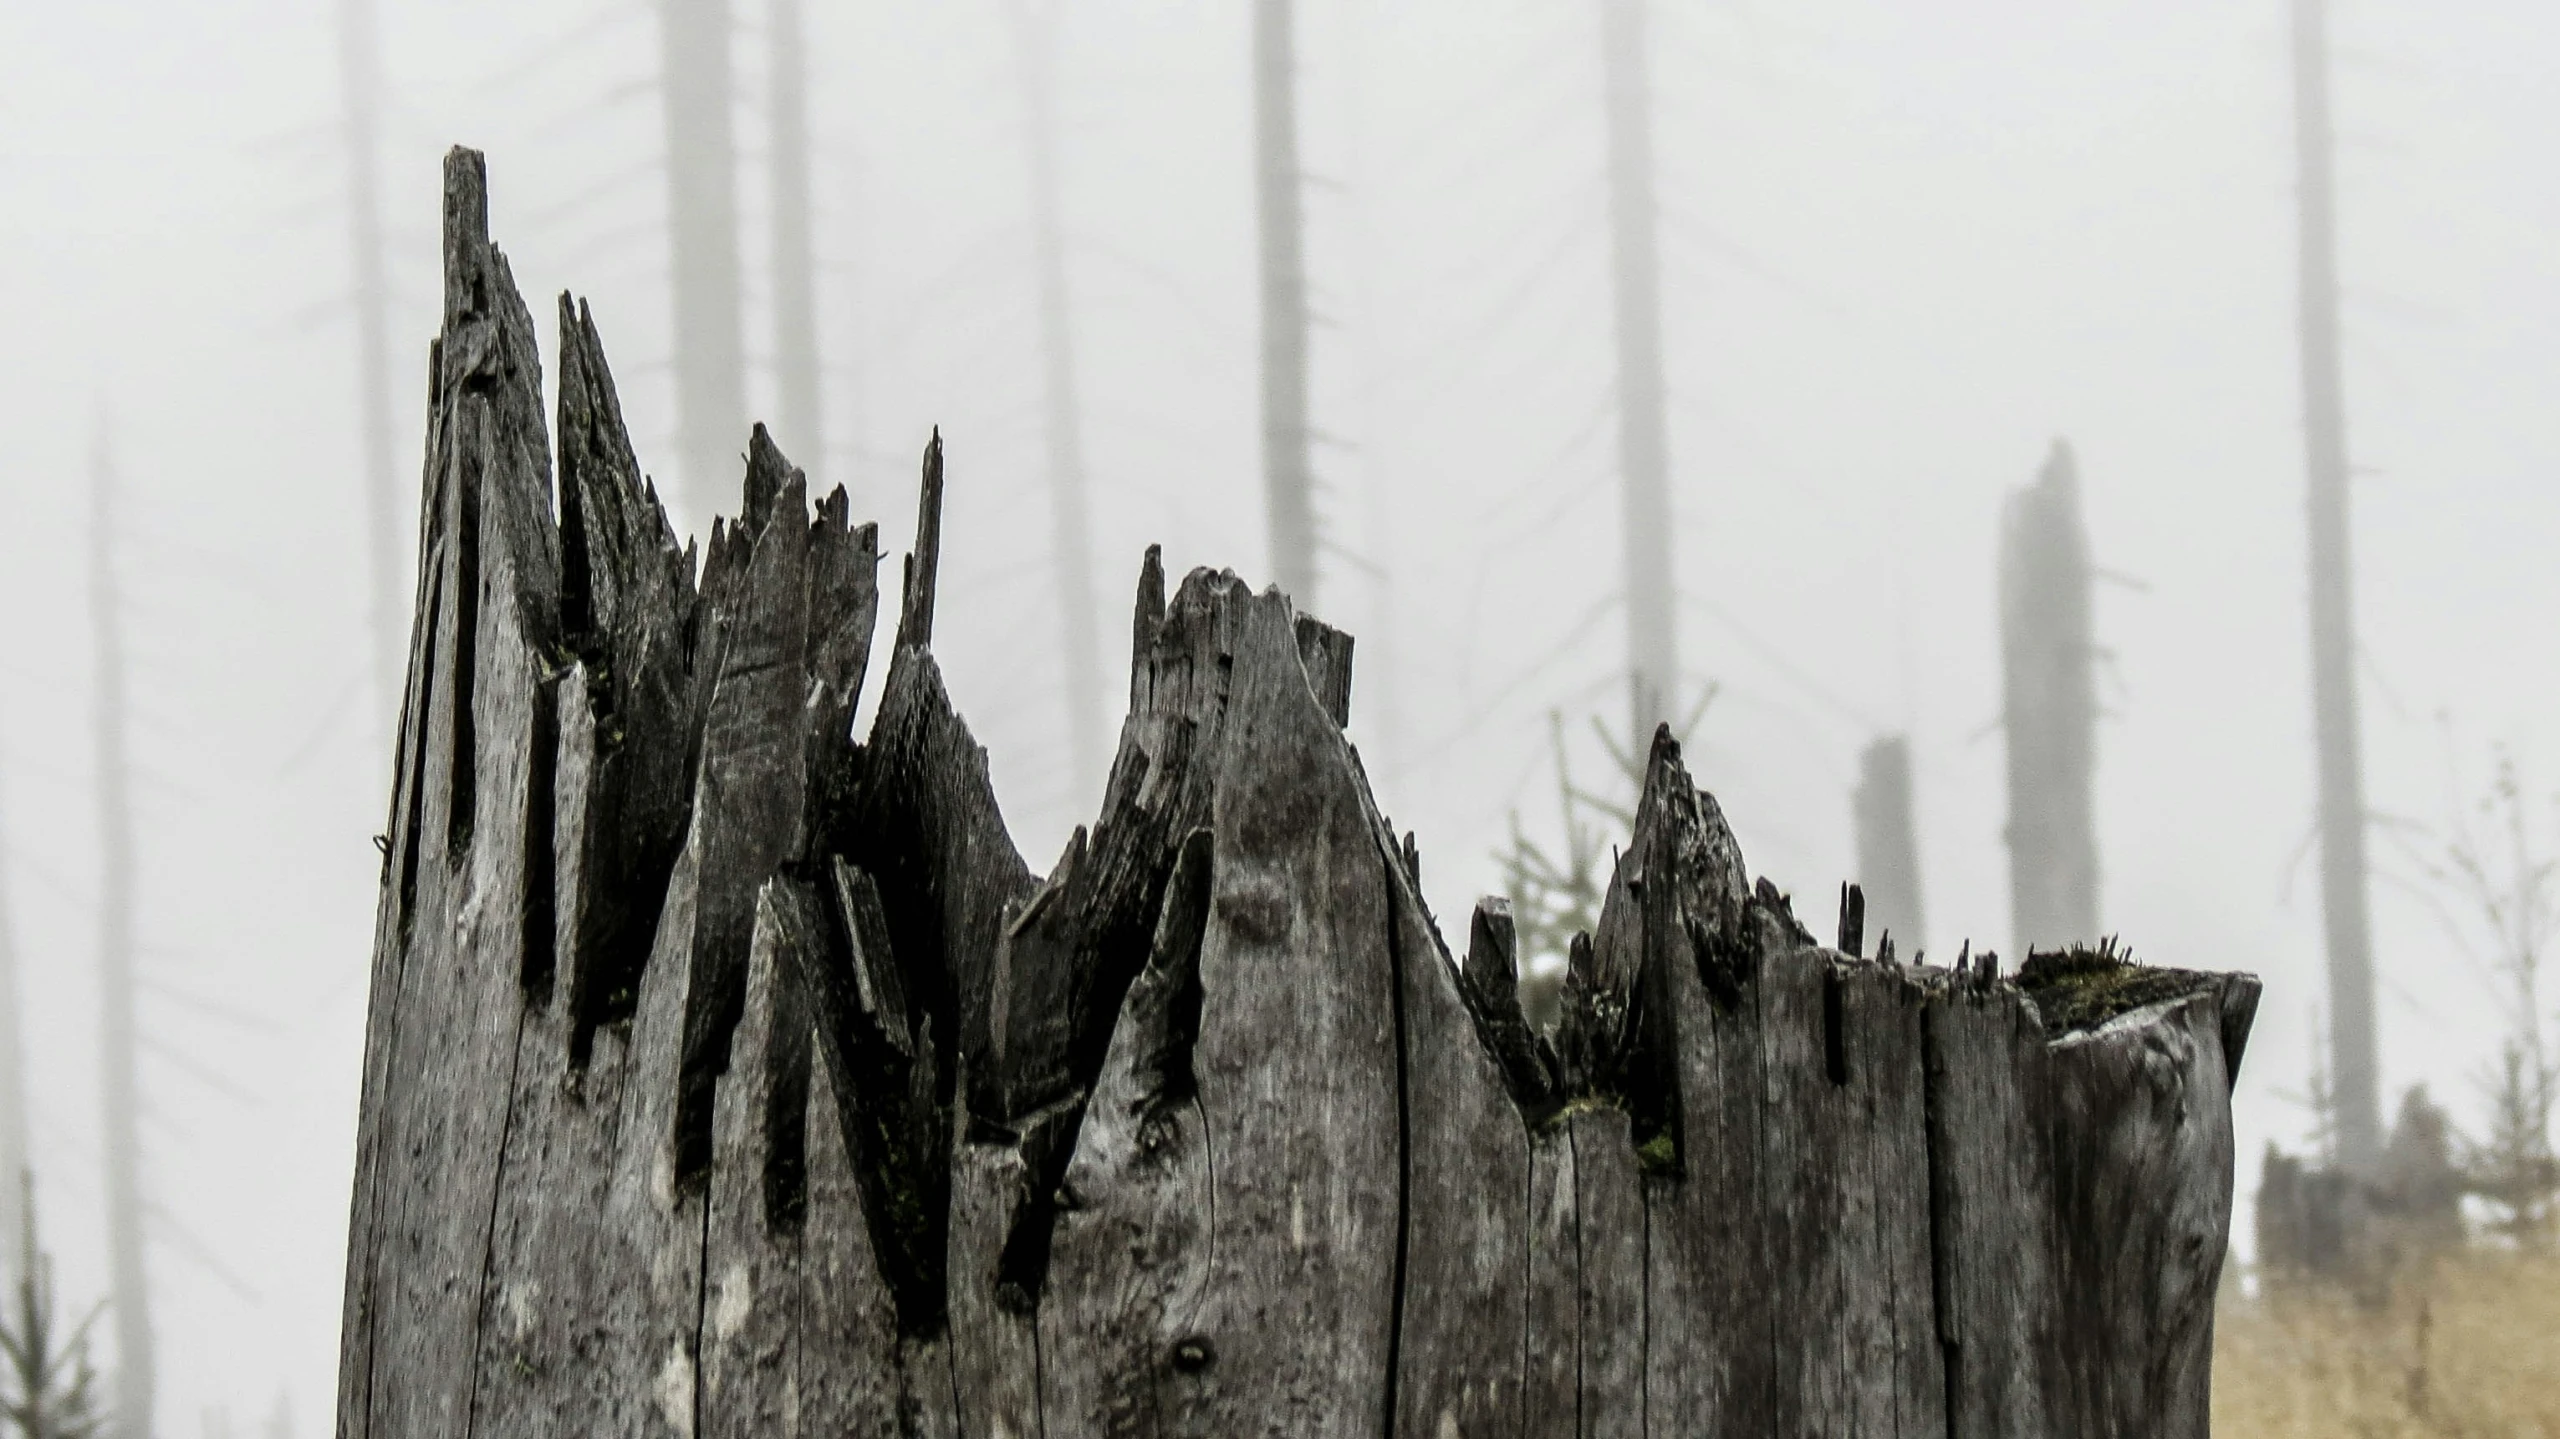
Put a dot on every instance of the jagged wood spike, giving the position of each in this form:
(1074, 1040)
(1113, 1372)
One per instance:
(628, 728)
(915, 615)
(1490, 984)
(441, 1039)
(1149, 618)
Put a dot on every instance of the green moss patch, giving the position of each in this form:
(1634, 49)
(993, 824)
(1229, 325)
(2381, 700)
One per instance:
(2082, 988)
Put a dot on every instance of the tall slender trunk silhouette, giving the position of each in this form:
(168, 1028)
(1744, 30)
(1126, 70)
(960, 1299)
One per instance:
(127, 1288)
(2049, 710)
(1889, 842)
(1644, 463)
(1383, 702)
(1288, 467)
(13, 1087)
(2346, 910)
(1070, 541)
(360, 87)
(795, 289)
(702, 225)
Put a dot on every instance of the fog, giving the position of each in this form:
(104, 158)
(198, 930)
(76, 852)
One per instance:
(1903, 249)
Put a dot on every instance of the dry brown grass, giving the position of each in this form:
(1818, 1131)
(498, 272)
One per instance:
(2466, 1345)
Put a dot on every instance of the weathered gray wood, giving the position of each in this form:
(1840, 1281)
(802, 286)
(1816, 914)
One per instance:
(1296, 1021)
(726, 1076)
(449, 966)
(751, 1251)
(995, 1344)
(1462, 1342)
(2143, 1096)
(1612, 1289)
(1551, 1376)
(856, 1368)
(1135, 1209)
(1988, 1121)
(629, 612)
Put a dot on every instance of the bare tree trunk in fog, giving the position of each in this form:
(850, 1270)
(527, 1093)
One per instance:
(1288, 469)
(128, 1296)
(1377, 479)
(702, 224)
(360, 82)
(2345, 908)
(1889, 842)
(2049, 710)
(1070, 544)
(795, 289)
(1653, 653)
(13, 1090)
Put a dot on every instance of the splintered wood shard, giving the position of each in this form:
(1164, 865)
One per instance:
(726, 1075)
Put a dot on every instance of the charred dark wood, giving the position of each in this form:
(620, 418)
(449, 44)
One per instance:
(724, 1075)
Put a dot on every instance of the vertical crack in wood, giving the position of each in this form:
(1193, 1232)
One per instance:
(409, 828)
(1396, 962)
(541, 881)
(462, 774)
(1581, 1424)
(1933, 1064)
(1835, 1046)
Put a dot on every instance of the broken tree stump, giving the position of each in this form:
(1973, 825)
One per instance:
(724, 1075)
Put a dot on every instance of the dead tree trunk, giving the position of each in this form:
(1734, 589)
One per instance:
(795, 285)
(702, 243)
(724, 1075)
(128, 1289)
(1035, 24)
(13, 1088)
(1889, 842)
(1288, 464)
(1644, 446)
(360, 84)
(2346, 911)
(2049, 710)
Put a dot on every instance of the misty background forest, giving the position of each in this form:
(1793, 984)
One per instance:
(1592, 364)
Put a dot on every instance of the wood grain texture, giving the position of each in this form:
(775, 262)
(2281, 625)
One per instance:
(724, 1075)
(1462, 1341)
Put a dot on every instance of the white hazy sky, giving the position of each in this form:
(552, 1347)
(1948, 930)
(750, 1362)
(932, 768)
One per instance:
(1904, 247)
